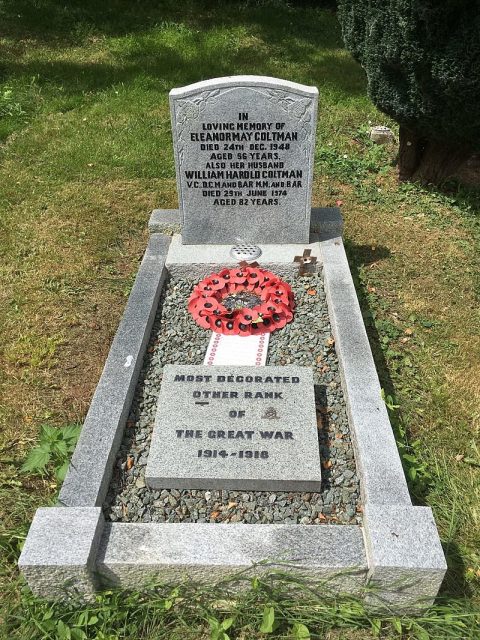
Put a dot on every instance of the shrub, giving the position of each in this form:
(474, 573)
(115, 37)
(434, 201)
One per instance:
(422, 60)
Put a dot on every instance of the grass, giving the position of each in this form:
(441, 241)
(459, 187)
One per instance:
(86, 153)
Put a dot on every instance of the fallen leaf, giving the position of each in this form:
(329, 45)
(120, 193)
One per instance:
(459, 457)
(321, 516)
(330, 342)
(404, 340)
(371, 289)
(312, 292)
(408, 331)
(129, 464)
(339, 203)
(231, 505)
(214, 514)
(327, 464)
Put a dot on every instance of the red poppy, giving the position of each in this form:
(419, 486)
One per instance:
(204, 321)
(242, 301)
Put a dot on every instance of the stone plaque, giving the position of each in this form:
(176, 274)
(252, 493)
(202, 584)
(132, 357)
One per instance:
(235, 428)
(244, 150)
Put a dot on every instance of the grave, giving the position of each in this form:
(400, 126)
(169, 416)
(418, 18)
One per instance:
(134, 507)
(231, 428)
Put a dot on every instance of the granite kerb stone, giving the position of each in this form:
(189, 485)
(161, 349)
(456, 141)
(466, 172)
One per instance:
(59, 556)
(168, 221)
(405, 557)
(136, 555)
(88, 477)
(404, 554)
(382, 477)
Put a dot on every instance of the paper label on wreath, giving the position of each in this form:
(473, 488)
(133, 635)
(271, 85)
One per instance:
(237, 350)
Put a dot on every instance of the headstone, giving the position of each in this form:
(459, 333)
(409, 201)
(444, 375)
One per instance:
(244, 148)
(235, 428)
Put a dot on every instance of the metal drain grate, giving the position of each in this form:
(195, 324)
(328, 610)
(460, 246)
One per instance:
(247, 252)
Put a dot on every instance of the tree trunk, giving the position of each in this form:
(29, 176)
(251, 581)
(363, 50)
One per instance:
(409, 153)
(428, 161)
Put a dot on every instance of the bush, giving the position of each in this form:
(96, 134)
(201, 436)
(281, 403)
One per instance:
(422, 60)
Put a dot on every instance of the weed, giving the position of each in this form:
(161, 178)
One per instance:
(274, 606)
(9, 107)
(52, 453)
(415, 468)
(218, 629)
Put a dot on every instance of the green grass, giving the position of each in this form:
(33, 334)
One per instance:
(86, 153)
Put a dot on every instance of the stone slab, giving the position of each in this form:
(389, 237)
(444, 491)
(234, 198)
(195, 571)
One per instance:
(168, 221)
(325, 221)
(235, 428)
(88, 477)
(378, 461)
(197, 261)
(58, 557)
(244, 149)
(135, 555)
(405, 557)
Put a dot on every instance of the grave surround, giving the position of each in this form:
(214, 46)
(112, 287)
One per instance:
(235, 428)
(394, 560)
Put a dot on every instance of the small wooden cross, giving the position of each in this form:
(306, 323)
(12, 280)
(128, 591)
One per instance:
(305, 262)
(244, 264)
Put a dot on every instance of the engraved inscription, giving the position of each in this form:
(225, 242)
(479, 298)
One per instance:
(244, 158)
(219, 394)
(210, 418)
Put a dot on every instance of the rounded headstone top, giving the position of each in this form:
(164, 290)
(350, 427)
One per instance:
(244, 81)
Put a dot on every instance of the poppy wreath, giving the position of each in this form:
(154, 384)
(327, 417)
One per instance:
(243, 301)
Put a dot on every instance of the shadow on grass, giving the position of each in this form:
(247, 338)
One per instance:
(57, 23)
(454, 583)
(358, 257)
(177, 43)
(171, 69)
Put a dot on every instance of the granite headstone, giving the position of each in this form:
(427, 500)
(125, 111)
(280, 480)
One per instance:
(235, 428)
(244, 148)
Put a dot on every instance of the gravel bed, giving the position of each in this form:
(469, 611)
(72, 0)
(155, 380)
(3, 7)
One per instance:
(306, 341)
